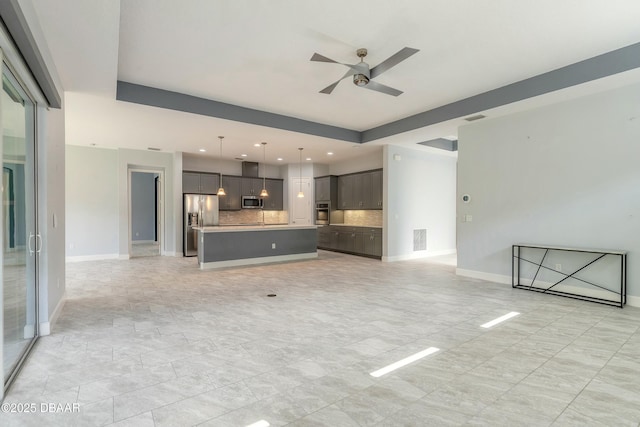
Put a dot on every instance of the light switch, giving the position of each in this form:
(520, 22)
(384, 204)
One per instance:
(468, 218)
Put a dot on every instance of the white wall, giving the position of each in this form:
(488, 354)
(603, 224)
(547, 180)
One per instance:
(564, 175)
(51, 181)
(419, 193)
(362, 163)
(91, 203)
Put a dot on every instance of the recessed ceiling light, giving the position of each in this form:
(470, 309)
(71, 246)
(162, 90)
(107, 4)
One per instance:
(308, 158)
(279, 159)
(257, 144)
(243, 155)
(202, 150)
(330, 153)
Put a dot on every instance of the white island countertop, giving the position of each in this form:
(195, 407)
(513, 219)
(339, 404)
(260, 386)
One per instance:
(266, 227)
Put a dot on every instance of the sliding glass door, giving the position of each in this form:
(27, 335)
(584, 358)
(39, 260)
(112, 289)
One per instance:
(20, 241)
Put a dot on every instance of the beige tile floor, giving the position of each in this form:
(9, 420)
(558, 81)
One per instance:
(156, 342)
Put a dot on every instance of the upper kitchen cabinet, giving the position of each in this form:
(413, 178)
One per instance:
(200, 183)
(326, 190)
(376, 189)
(345, 192)
(274, 202)
(233, 189)
(251, 186)
(361, 190)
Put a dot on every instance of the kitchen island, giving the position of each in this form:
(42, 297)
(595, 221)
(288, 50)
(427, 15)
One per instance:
(228, 246)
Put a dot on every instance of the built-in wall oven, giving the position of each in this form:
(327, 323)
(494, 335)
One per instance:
(323, 210)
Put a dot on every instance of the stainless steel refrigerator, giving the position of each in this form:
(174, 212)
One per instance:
(200, 210)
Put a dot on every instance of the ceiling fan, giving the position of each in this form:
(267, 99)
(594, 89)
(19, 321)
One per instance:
(362, 75)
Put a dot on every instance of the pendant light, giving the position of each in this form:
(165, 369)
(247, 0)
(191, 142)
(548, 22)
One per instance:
(264, 192)
(300, 193)
(221, 189)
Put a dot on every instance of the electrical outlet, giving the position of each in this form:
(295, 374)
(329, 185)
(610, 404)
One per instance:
(558, 267)
(273, 246)
(71, 246)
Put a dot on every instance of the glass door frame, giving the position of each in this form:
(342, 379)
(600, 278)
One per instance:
(14, 75)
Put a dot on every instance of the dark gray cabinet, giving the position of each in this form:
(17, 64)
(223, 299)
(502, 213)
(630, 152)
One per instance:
(274, 202)
(372, 242)
(251, 186)
(326, 190)
(365, 241)
(233, 189)
(200, 183)
(360, 190)
(376, 189)
(345, 192)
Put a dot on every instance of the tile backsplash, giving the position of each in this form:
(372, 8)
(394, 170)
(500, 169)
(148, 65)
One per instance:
(253, 216)
(366, 218)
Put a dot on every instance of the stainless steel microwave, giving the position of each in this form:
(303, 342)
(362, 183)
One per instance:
(252, 202)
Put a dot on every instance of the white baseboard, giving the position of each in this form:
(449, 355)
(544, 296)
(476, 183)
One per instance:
(490, 277)
(29, 331)
(170, 253)
(261, 260)
(124, 257)
(82, 258)
(418, 255)
(45, 327)
(632, 301)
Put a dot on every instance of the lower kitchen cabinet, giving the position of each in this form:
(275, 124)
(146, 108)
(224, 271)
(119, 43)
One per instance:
(364, 241)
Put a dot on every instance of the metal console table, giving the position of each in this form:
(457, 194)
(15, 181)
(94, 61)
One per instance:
(532, 269)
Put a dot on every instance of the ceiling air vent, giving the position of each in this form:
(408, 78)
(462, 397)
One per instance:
(153, 149)
(474, 118)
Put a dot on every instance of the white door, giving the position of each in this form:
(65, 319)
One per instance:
(300, 207)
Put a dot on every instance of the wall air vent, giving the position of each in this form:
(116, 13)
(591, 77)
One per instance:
(420, 239)
(153, 149)
(474, 118)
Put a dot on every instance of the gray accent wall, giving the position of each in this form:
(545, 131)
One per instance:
(143, 206)
(564, 175)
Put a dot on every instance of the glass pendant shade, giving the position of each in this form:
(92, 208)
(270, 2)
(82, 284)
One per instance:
(264, 192)
(221, 192)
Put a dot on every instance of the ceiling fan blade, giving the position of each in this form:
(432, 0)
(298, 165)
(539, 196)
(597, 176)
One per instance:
(378, 87)
(392, 61)
(320, 58)
(332, 86)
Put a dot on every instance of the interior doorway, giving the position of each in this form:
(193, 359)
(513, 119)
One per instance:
(145, 219)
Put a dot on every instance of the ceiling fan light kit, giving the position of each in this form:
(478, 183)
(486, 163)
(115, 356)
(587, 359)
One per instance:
(362, 75)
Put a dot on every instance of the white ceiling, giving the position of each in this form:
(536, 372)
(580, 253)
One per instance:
(256, 54)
